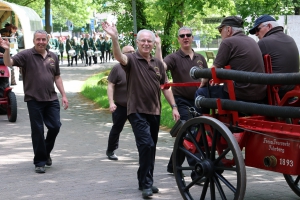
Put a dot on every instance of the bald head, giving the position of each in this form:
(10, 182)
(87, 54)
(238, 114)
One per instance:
(128, 49)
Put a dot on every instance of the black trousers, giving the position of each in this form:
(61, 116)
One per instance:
(40, 113)
(119, 117)
(61, 57)
(82, 57)
(68, 57)
(74, 58)
(107, 55)
(145, 128)
(183, 106)
(102, 56)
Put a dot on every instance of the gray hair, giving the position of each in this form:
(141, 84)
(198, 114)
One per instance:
(145, 31)
(235, 29)
(273, 23)
(185, 28)
(41, 32)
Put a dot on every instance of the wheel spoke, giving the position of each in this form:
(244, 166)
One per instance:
(189, 153)
(297, 180)
(213, 146)
(212, 189)
(220, 168)
(222, 156)
(204, 190)
(204, 140)
(202, 154)
(220, 189)
(224, 180)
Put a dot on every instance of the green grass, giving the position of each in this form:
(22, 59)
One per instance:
(95, 92)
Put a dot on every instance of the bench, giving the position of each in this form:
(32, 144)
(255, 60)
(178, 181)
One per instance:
(210, 55)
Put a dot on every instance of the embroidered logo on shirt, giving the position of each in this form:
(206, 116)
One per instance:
(51, 62)
(156, 69)
(200, 63)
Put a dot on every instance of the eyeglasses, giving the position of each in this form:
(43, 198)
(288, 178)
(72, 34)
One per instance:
(220, 29)
(148, 41)
(258, 28)
(187, 35)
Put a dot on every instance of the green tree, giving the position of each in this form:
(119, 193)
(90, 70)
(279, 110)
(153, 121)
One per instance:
(79, 11)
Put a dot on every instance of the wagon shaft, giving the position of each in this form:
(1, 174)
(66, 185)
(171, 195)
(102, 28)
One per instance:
(248, 77)
(249, 108)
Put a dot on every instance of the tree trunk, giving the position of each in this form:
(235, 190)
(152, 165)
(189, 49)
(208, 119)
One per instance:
(47, 16)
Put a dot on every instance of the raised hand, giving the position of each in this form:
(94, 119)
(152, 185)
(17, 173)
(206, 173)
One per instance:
(4, 43)
(110, 29)
(157, 40)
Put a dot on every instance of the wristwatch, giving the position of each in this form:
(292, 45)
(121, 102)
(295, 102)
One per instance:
(174, 105)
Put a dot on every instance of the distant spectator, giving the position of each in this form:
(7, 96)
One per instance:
(6, 31)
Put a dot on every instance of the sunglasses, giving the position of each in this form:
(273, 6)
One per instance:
(187, 35)
(220, 29)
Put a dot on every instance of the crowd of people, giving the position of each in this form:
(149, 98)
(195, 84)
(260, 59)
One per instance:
(84, 48)
(134, 91)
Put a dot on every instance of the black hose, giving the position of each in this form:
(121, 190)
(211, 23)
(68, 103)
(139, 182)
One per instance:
(248, 77)
(249, 108)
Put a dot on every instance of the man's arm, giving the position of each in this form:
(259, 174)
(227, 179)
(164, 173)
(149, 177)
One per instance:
(113, 32)
(158, 51)
(4, 43)
(110, 94)
(170, 98)
(60, 87)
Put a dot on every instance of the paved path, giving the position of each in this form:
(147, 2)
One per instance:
(80, 168)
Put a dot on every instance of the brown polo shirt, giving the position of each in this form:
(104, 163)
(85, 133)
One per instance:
(180, 65)
(243, 54)
(117, 76)
(38, 74)
(143, 84)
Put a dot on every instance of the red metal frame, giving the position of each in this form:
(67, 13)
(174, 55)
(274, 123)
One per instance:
(265, 140)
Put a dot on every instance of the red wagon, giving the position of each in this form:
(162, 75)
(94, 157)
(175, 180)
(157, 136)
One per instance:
(8, 101)
(226, 141)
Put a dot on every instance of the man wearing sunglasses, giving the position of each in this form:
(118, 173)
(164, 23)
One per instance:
(179, 64)
(241, 53)
(281, 47)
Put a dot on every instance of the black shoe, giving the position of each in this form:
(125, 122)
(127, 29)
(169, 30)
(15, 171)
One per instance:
(68, 65)
(154, 189)
(40, 170)
(49, 162)
(111, 155)
(147, 193)
(170, 170)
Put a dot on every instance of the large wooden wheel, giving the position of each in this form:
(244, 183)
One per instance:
(12, 107)
(217, 159)
(293, 182)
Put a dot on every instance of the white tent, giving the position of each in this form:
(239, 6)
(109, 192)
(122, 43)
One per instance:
(28, 18)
